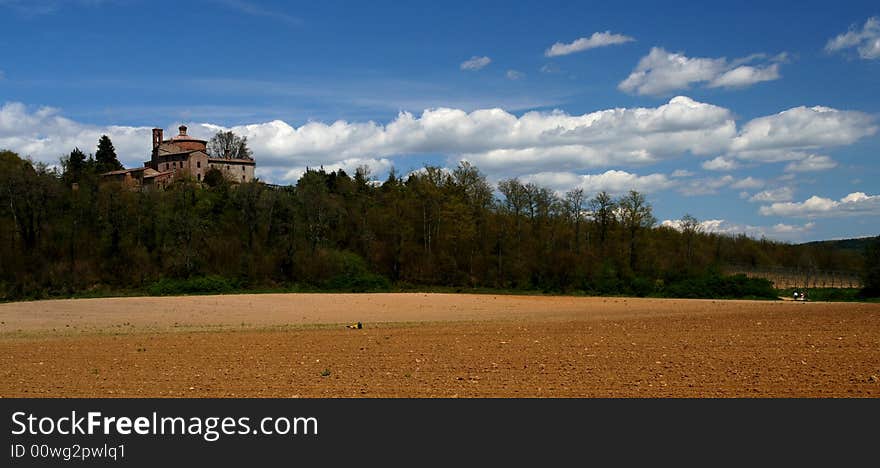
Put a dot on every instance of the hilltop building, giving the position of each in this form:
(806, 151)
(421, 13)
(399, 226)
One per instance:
(181, 156)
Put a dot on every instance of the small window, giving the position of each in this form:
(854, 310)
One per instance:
(242, 168)
(199, 164)
(199, 177)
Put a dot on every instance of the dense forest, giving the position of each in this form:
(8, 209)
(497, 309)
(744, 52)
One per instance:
(63, 232)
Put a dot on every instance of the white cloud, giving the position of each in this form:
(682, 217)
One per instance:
(636, 136)
(515, 75)
(550, 68)
(866, 41)
(709, 225)
(613, 181)
(539, 141)
(681, 173)
(780, 194)
(854, 204)
(811, 163)
(500, 143)
(720, 164)
(475, 63)
(711, 185)
(706, 185)
(782, 228)
(598, 39)
(46, 136)
(774, 137)
(661, 72)
(377, 166)
(748, 183)
(720, 226)
(745, 75)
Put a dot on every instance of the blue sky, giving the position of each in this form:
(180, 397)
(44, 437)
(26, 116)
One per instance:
(758, 117)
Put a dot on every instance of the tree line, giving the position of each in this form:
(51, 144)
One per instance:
(64, 232)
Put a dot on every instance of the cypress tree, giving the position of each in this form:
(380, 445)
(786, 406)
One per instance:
(74, 165)
(105, 157)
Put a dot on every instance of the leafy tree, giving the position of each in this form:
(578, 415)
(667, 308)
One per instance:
(872, 269)
(105, 157)
(75, 166)
(214, 177)
(435, 228)
(228, 145)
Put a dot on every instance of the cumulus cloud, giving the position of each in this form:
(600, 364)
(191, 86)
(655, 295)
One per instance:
(661, 72)
(475, 63)
(45, 135)
(598, 39)
(782, 228)
(613, 181)
(377, 166)
(720, 164)
(500, 143)
(774, 137)
(780, 194)
(492, 137)
(745, 75)
(865, 40)
(854, 204)
(811, 163)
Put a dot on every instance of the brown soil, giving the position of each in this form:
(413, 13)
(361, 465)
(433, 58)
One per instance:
(423, 345)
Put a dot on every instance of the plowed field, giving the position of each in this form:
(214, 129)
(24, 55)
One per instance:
(437, 345)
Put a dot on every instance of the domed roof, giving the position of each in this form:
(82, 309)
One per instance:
(183, 136)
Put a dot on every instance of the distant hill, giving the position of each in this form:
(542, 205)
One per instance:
(857, 245)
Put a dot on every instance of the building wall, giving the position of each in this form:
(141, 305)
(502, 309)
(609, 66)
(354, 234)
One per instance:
(197, 165)
(235, 170)
(191, 164)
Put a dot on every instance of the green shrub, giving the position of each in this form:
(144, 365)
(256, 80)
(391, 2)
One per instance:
(715, 286)
(641, 287)
(193, 285)
(349, 272)
(825, 294)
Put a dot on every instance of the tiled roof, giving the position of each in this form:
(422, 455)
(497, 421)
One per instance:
(231, 161)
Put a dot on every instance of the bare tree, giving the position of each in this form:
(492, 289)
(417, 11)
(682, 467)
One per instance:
(636, 214)
(690, 227)
(575, 203)
(228, 145)
(602, 207)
